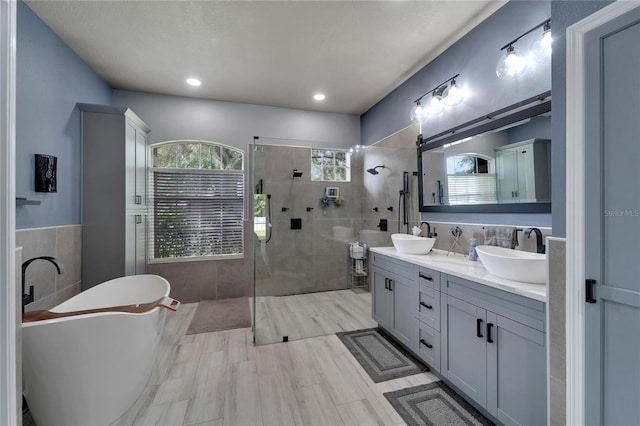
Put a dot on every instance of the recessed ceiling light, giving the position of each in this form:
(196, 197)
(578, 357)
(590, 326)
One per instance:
(193, 82)
(319, 97)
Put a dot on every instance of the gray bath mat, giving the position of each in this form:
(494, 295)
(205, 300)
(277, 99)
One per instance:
(382, 358)
(218, 315)
(434, 404)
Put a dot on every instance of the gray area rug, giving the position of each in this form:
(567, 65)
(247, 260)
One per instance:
(434, 404)
(381, 357)
(218, 315)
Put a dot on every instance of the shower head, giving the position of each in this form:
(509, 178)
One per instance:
(373, 171)
(297, 173)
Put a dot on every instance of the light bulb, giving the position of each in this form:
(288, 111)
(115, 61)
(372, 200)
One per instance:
(511, 64)
(541, 46)
(417, 112)
(453, 95)
(435, 104)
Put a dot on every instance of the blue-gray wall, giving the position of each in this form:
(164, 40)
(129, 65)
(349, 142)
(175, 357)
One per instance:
(564, 14)
(235, 124)
(475, 57)
(51, 78)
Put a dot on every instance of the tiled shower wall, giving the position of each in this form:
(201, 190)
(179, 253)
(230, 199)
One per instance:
(556, 306)
(65, 244)
(314, 258)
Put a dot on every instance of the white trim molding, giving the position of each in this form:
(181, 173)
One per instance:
(575, 212)
(10, 408)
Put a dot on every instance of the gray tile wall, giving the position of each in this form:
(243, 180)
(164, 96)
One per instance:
(556, 305)
(61, 242)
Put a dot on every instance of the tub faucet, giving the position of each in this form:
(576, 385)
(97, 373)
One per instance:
(429, 234)
(28, 298)
(539, 244)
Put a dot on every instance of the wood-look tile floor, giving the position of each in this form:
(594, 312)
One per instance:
(221, 378)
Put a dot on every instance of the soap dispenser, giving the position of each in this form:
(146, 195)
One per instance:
(473, 255)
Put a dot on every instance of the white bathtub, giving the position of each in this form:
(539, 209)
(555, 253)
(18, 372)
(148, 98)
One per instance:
(89, 369)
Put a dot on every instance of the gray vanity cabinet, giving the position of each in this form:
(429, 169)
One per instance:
(114, 198)
(494, 350)
(392, 297)
(426, 302)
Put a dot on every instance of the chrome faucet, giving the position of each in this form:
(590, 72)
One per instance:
(28, 298)
(429, 234)
(539, 244)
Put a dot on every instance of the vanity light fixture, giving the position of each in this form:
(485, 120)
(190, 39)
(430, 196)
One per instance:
(193, 82)
(447, 93)
(514, 63)
(541, 46)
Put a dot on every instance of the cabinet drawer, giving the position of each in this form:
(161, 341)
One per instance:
(427, 336)
(428, 277)
(398, 267)
(428, 310)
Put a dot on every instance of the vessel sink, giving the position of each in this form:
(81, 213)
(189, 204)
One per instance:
(514, 264)
(410, 244)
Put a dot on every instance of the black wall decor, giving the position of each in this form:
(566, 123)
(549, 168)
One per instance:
(46, 173)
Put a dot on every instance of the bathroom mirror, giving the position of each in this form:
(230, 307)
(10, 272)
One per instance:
(499, 162)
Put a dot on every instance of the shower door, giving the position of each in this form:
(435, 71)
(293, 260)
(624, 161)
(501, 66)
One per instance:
(301, 245)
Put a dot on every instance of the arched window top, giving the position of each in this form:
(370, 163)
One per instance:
(469, 164)
(193, 154)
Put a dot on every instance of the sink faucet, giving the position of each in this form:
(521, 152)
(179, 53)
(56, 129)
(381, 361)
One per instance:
(429, 234)
(28, 298)
(539, 244)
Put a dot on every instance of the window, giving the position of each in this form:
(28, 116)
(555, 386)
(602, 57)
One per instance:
(471, 179)
(197, 200)
(330, 165)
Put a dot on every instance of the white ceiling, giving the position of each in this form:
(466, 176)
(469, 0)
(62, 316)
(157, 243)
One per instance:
(275, 53)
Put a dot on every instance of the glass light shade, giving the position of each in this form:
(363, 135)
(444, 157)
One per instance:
(453, 95)
(435, 106)
(541, 46)
(511, 64)
(417, 112)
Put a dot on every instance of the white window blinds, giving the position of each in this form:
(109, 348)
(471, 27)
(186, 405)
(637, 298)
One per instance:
(197, 213)
(472, 189)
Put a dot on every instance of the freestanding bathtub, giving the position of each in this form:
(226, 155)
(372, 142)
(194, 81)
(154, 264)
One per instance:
(89, 369)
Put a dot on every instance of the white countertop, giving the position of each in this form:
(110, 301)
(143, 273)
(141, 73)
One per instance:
(462, 267)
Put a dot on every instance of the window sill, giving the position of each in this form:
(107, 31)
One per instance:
(195, 259)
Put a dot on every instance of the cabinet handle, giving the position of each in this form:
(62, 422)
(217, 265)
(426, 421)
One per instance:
(479, 328)
(589, 291)
(138, 199)
(138, 219)
(390, 283)
(426, 277)
(489, 327)
(386, 283)
(425, 305)
(424, 342)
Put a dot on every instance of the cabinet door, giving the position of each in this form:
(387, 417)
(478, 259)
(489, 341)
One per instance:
(404, 325)
(141, 167)
(507, 176)
(135, 250)
(526, 173)
(130, 165)
(516, 372)
(464, 349)
(382, 299)
(141, 244)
